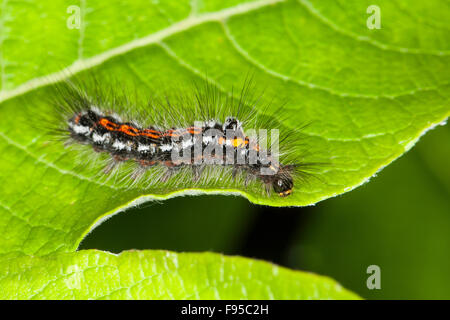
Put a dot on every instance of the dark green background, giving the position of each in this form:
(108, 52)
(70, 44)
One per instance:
(399, 221)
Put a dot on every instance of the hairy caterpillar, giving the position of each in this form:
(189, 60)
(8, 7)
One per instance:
(192, 132)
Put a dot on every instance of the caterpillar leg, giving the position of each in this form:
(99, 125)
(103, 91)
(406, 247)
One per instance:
(268, 188)
(169, 173)
(110, 167)
(97, 149)
(234, 172)
(197, 172)
(137, 174)
(115, 161)
(248, 178)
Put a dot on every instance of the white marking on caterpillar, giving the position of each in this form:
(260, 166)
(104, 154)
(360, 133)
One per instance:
(119, 145)
(210, 123)
(99, 138)
(207, 139)
(96, 109)
(187, 143)
(143, 147)
(165, 147)
(79, 129)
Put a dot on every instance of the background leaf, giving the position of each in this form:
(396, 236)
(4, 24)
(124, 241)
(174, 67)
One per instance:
(158, 275)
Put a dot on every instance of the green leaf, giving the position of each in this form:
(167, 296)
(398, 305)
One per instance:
(368, 94)
(158, 275)
(368, 100)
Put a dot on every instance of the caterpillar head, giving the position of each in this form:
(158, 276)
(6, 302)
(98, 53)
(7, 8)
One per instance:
(282, 184)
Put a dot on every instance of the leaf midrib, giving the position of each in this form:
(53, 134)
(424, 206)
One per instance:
(154, 38)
